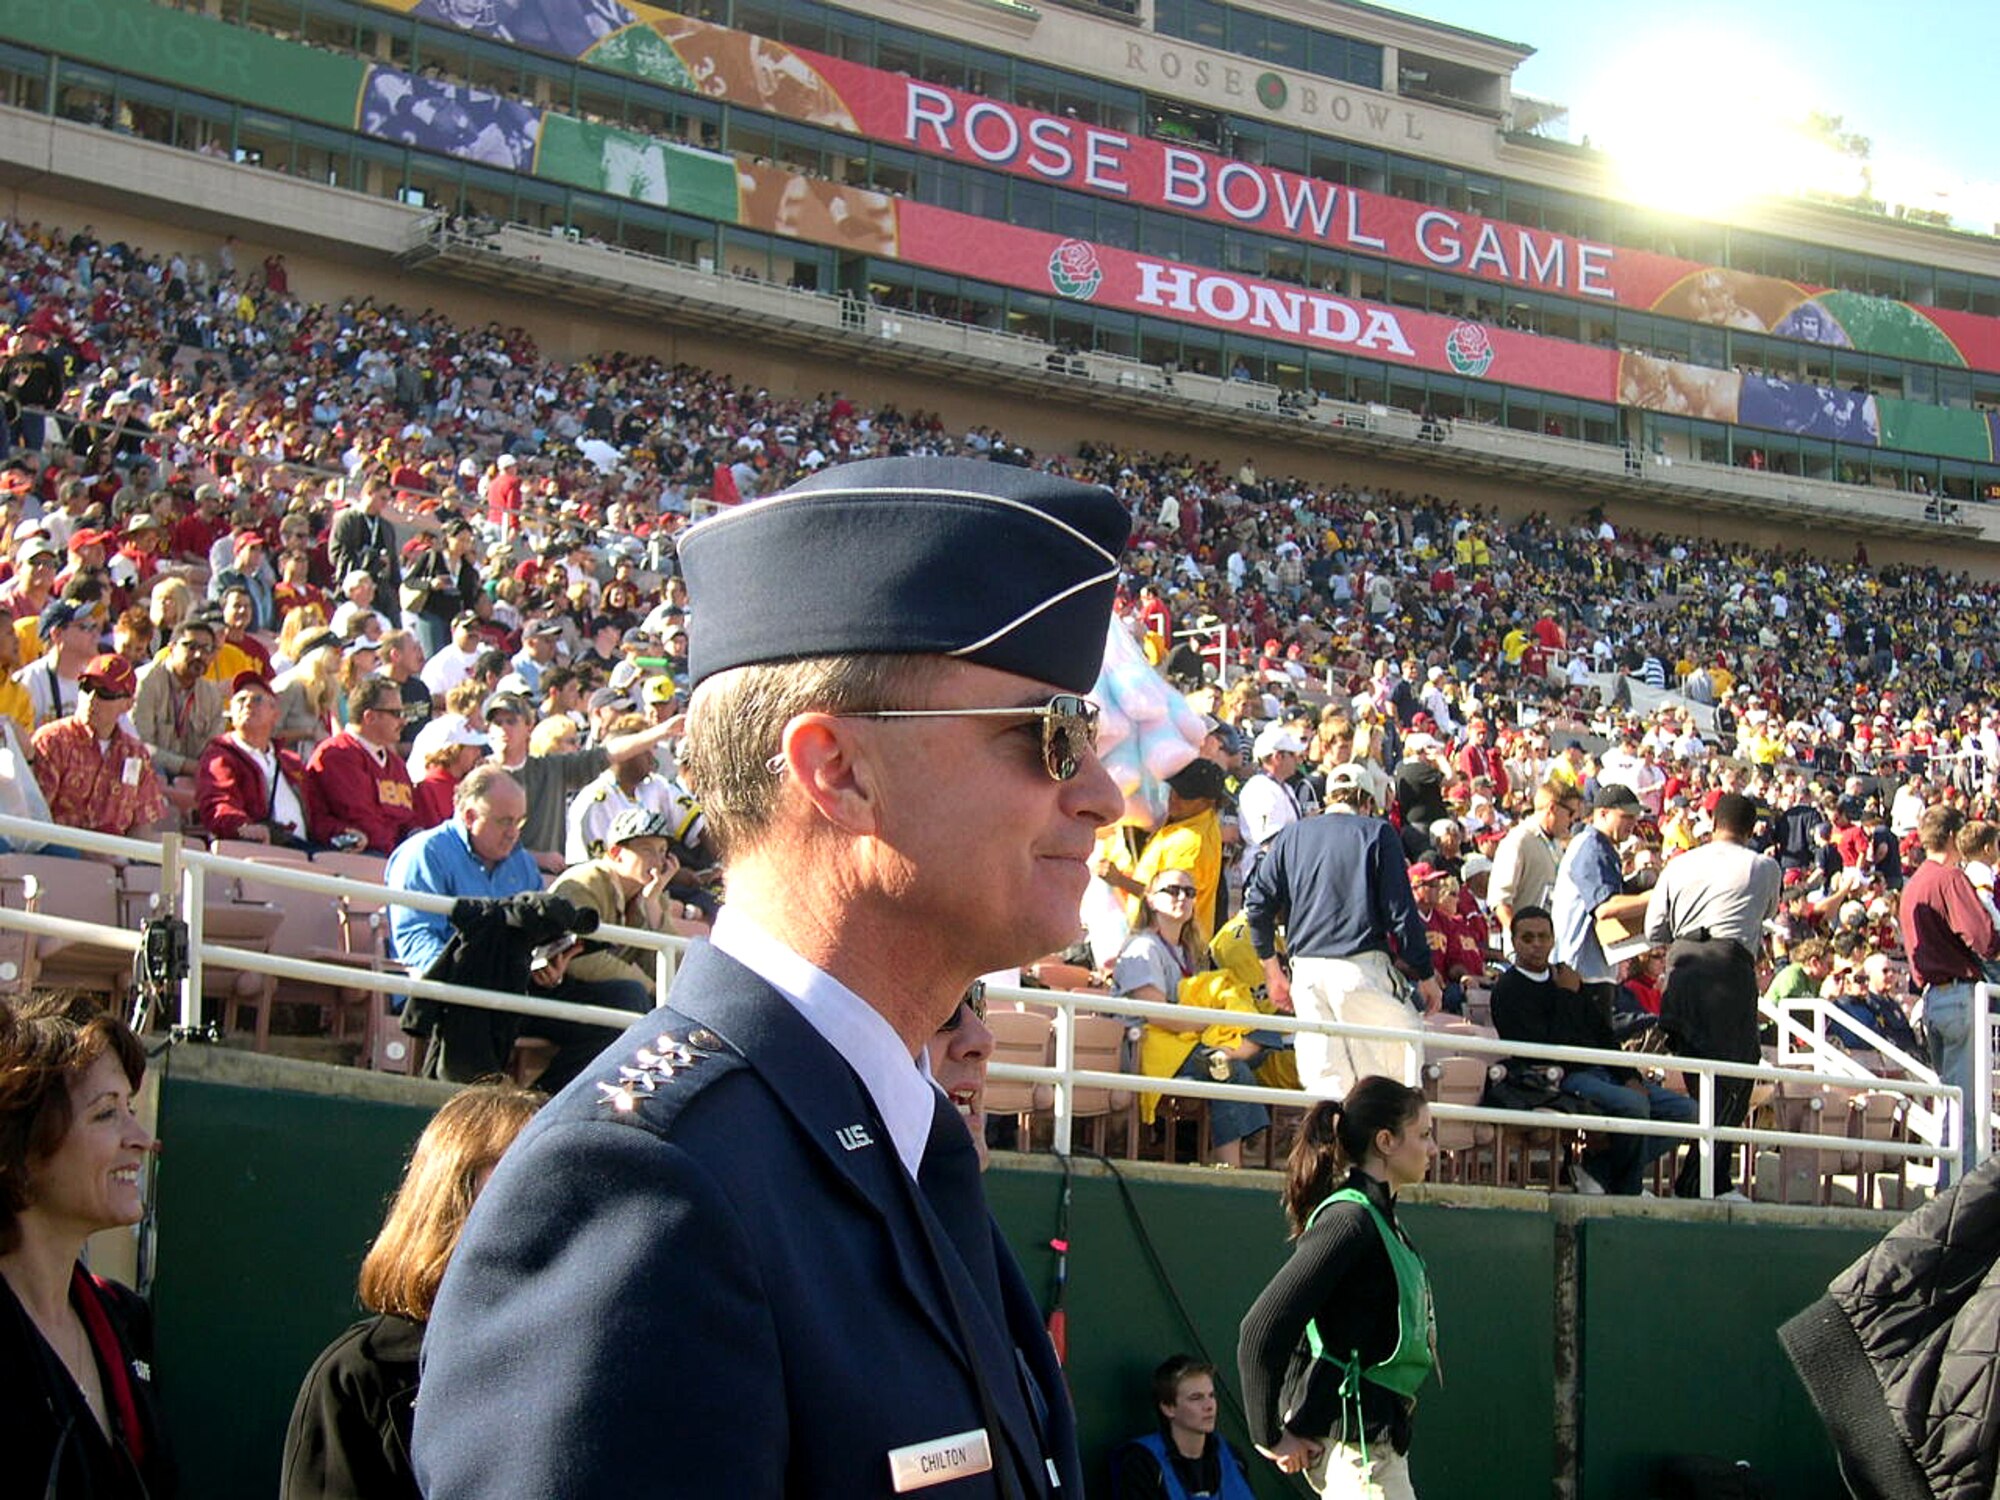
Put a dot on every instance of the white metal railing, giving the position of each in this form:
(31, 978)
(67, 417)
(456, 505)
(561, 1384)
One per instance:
(1064, 1076)
(184, 891)
(1798, 1045)
(186, 876)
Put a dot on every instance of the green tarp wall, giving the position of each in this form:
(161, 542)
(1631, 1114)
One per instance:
(270, 1188)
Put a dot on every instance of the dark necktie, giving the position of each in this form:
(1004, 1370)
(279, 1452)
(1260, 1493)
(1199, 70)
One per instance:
(949, 1183)
(949, 1180)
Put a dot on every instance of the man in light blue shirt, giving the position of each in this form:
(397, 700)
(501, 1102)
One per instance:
(477, 852)
(1590, 885)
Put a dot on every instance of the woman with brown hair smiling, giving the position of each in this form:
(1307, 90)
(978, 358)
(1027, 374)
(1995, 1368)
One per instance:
(78, 1414)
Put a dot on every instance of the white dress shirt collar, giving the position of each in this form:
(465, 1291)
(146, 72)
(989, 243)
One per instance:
(901, 1087)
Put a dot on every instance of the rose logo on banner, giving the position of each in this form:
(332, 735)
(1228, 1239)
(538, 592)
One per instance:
(1074, 271)
(1469, 349)
(1271, 91)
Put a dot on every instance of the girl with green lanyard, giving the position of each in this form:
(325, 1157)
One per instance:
(1334, 1350)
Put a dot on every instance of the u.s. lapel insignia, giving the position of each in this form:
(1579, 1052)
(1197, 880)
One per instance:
(652, 1066)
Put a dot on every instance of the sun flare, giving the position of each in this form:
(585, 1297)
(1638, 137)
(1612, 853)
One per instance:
(1699, 124)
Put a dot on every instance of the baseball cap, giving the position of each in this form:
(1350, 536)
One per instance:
(1201, 778)
(110, 675)
(60, 612)
(1474, 866)
(1423, 872)
(609, 697)
(507, 703)
(1276, 739)
(1622, 798)
(312, 641)
(636, 823)
(1352, 776)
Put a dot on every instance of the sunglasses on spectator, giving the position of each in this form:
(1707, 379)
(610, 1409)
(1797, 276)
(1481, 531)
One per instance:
(1069, 728)
(974, 1001)
(1174, 890)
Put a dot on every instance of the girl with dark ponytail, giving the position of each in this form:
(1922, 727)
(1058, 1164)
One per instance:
(1333, 1351)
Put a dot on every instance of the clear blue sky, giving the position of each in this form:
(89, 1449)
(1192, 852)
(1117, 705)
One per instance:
(1913, 76)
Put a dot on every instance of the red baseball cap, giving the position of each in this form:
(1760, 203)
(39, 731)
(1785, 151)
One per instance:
(111, 675)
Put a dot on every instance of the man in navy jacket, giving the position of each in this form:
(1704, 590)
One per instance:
(746, 1253)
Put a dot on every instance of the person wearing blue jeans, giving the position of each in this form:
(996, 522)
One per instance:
(1541, 1001)
(1948, 1033)
(1948, 936)
(1638, 1098)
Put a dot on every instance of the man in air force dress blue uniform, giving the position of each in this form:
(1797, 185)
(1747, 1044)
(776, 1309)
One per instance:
(746, 1254)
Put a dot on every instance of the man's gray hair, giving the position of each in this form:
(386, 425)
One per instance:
(478, 783)
(736, 724)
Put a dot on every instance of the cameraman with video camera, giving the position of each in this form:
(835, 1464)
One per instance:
(504, 934)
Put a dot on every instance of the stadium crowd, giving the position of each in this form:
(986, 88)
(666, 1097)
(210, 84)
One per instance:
(290, 571)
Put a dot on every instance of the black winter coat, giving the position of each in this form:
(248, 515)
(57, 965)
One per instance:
(349, 1437)
(41, 1408)
(1900, 1354)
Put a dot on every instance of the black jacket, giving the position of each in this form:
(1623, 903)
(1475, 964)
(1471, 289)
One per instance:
(368, 543)
(1899, 1356)
(349, 1437)
(1339, 1276)
(41, 1407)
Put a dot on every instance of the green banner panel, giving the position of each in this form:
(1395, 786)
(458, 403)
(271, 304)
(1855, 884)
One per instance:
(1880, 325)
(641, 52)
(276, 1175)
(172, 46)
(1912, 427)
(267, 1205)
(625, 164)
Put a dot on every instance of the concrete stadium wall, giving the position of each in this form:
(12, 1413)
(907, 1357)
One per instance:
(1577, 1339)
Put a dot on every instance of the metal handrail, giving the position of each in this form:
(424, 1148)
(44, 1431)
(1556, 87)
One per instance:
(1065, 1077)
(184, 883)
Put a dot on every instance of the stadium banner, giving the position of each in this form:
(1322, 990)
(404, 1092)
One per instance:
(799, 206)
(477, 125)
(795, 83)
(451, 119)
(1106, 276)
(626, 164)
(193, 51)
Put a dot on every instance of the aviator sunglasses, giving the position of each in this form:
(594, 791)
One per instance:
(1069, 728)
(974, 1001)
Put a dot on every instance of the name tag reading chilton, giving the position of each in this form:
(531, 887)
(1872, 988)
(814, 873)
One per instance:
(940, 1461)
